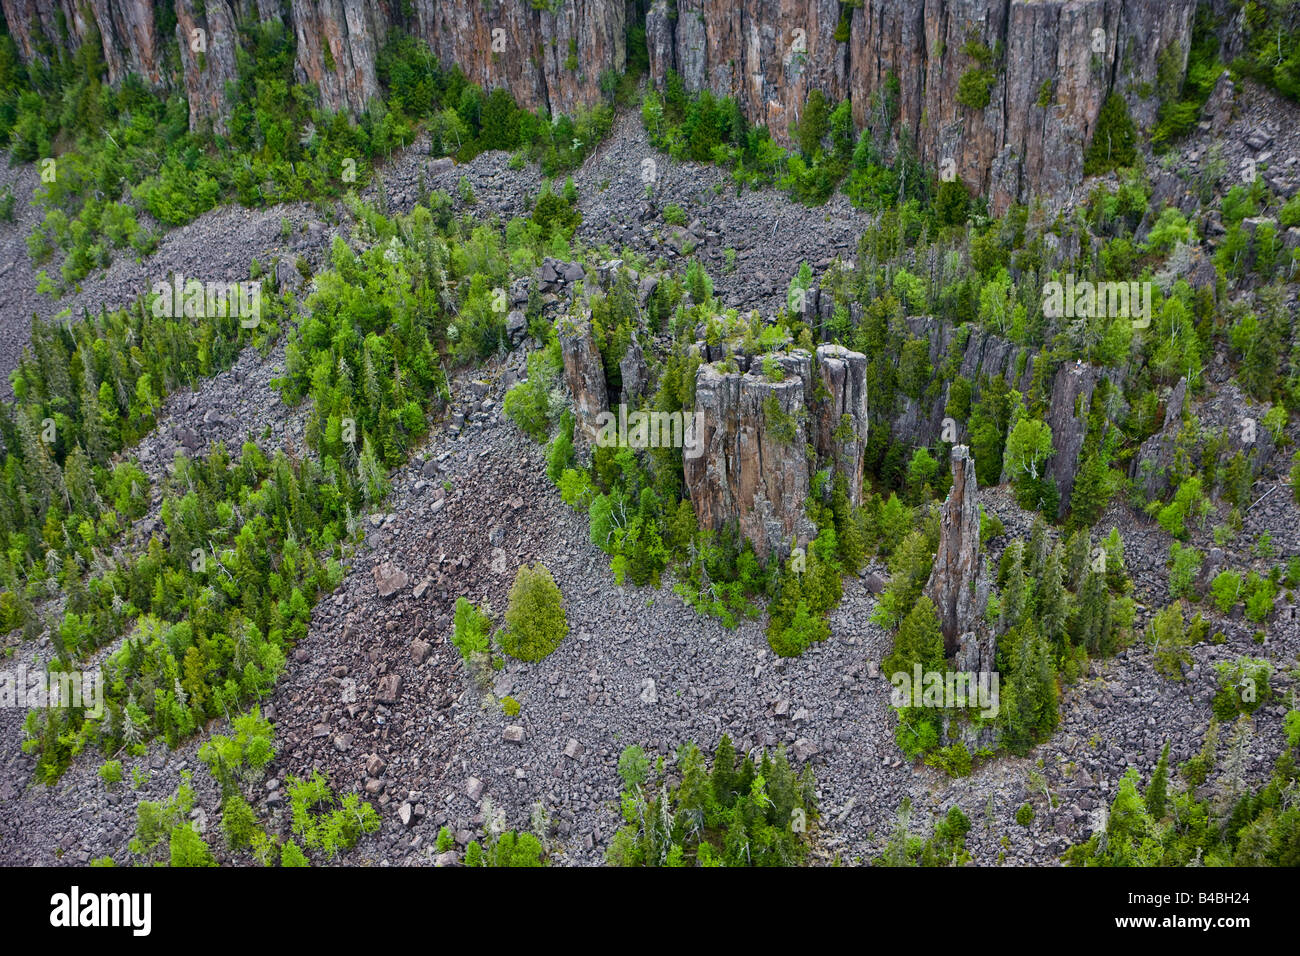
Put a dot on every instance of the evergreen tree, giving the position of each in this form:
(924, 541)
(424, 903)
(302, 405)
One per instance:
(1156, 790)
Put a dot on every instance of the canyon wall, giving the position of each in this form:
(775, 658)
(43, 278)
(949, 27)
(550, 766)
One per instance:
(1052, 62)
(550, 58)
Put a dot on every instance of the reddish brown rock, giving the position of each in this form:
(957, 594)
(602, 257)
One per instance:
(753, 465)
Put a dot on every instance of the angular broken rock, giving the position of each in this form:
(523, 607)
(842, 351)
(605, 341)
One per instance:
(420, 650)
(375, 765)
(474, 788)
(804, 748)
(514, 734)
(648, 693)
(572, 749)
(389, 579)
(406, 814)
(390, 686)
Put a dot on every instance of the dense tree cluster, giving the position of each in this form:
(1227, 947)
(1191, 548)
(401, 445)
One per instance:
(731, 812)
(1212, 817)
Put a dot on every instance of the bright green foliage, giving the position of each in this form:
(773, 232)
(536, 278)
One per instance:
(802, 598)
(238, 822)
(1188, 502)
(529, 403)
(323, 821)
(535, 622)
(1170, 639)
(514, 849)
(1243, 687)
(1184, 564)
(165, 825)
(111, 773)
(974, 88)
(243, 757)
(470, 629)
(1225, 589)
(446, 840)
(291, 855)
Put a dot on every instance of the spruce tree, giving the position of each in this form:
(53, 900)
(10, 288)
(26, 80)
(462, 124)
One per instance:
(1157, 789)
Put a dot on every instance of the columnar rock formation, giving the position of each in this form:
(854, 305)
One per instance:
(956, 586)
(984, 353)
(1051, 63)
(551, 58)
(1059, 60)
(754, 467)
(840, 417)
(584, 373)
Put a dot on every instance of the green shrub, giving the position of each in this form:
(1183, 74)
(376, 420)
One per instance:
(111, 772)
(470, 629)
(535, 621)
(974, 89)
(446, 840)
(323, 821)
(1025, 815)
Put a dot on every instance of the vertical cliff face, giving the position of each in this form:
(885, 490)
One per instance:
(840, 412)
(754, 466)
(206, 71)
(338, 41)
(550, 59)
(1053, 62)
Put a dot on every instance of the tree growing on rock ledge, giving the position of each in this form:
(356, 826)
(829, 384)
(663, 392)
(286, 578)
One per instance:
(535, 621)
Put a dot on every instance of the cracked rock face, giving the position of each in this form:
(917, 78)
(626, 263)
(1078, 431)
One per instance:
(1062, 59)
(753, 466)
(956, 585)
(550, 59)
(584, 373)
